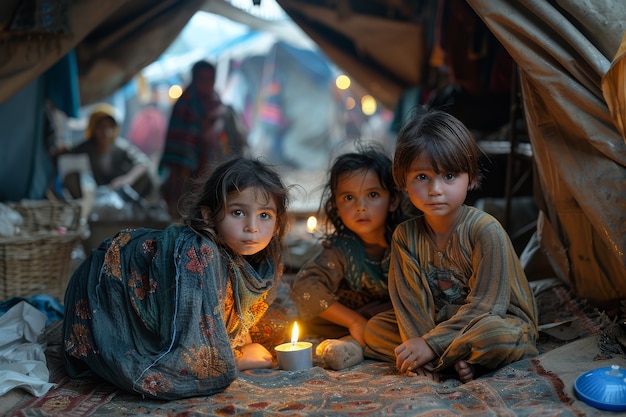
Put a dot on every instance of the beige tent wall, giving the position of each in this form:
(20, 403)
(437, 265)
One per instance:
(563, 53)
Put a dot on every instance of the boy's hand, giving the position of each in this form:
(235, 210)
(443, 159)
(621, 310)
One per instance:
(413, 354)
(426, 371)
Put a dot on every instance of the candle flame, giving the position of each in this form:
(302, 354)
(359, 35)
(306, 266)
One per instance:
(295, 332)
(311, 224)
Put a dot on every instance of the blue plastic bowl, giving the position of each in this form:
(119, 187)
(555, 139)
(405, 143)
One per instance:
(603, 388)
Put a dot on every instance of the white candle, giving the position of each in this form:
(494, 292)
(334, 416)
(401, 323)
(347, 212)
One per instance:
(292, 347)
(294, 356)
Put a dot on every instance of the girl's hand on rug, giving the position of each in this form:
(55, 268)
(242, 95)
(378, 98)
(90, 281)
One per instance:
(413, 354)
(254, 356)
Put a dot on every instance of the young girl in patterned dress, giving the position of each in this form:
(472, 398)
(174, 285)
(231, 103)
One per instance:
(460, 296)
(167, 313)
(345, 283)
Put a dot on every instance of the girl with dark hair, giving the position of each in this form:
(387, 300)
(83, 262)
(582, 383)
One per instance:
(345, 284)
(167, 313)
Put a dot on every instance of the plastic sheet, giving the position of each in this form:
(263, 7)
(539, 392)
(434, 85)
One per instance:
(22, 359)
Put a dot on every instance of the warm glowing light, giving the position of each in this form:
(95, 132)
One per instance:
(294, 356)
(350, 103)
(295, 332)
(311, 224)
(368, 105)
(175, 92)
(342, 82)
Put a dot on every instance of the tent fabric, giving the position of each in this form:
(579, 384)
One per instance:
(62, 85)
(385, 55)
(614, 88)
(113, 41)
(28, 158)
(563, 52)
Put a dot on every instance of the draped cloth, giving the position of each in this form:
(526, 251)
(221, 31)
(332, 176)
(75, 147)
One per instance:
(568, 54)
(341, 272)
(159, 313)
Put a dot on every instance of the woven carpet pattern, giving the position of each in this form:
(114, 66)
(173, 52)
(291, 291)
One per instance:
(371, 388)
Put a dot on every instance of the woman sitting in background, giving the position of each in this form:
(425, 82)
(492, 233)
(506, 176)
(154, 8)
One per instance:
(114, 160)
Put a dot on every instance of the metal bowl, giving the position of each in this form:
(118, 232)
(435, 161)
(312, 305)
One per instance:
(603, 388)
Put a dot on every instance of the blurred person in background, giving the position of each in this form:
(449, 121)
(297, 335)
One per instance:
(202, 132)
(115, 162)
(147, 130)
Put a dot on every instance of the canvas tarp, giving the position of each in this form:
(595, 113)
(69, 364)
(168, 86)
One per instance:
(564, 53)
(112, 40)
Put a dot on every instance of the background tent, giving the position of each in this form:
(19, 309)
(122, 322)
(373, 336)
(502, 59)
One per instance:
(102, 45)
(296, 114)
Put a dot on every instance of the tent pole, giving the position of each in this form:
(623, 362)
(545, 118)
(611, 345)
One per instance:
(510, 165)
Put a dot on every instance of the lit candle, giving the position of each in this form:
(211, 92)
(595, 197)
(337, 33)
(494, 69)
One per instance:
(294, 356)
(311, 224)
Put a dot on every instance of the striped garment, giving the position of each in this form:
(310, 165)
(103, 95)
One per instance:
(200, 135)
(471, 302)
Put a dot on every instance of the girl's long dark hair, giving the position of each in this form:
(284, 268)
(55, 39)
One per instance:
(236, 175)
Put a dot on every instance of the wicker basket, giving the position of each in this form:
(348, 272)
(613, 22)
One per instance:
(47, 215)
(38, 260)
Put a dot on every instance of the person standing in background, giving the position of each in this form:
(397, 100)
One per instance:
(147, 131)
(199, 136)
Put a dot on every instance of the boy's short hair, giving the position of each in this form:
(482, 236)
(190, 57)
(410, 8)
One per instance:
(444, 139)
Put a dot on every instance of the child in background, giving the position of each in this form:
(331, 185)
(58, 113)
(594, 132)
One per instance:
(459, 292)
(345, 284)
(166, 313)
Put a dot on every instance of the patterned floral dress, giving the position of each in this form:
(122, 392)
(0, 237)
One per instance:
(160, 312)
(340, 272)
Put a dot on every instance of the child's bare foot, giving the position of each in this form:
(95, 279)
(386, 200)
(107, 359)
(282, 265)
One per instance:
(465, 371)
(432, 375)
